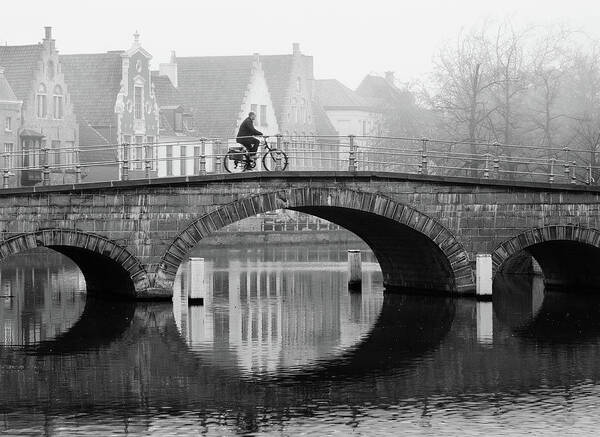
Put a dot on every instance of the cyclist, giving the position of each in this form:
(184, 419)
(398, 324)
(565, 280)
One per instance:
(244, 136)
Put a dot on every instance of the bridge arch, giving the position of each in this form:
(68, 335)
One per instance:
(414, 250)
(107, 267)
(569, 255)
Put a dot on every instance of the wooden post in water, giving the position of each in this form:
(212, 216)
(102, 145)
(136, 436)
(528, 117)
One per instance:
(483, 273)
(196, 286)
(354, 270)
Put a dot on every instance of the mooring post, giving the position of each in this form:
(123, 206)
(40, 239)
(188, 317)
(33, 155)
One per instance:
(196, 286)
(485, 322)
(483, 272)
(354, 270)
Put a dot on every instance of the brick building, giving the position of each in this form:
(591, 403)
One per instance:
(114, 101)
(10, 119)
(46, 121)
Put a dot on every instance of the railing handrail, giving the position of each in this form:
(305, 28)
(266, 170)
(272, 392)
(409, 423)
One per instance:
(350, 153)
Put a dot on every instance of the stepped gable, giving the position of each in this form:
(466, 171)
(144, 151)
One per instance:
(94, 80)
(213, 90)
(278, 73)
(20, 64)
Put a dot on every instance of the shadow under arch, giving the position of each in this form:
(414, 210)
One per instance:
(107, 267)
(567, 254)
(408, 327)
(415, 251)
(522, 305)
(101, 323)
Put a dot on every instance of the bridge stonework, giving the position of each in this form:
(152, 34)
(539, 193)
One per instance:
(129, 237)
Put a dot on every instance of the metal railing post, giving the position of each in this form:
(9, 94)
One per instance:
(6, 172)
(486, 169)
(551, 176)
(351, 154)
(589, 174)
(147, 163)
(497, 160)
(202, 158)
(77, 166)
(423, 168)
(573, 177)
(125, 168)
(217, 153)
(566, 164)
(278, 155)
(46, 171)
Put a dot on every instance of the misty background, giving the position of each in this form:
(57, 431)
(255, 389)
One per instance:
(513, 72)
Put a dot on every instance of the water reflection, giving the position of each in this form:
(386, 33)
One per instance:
(270, 314)
(42, 294)
(285, 352)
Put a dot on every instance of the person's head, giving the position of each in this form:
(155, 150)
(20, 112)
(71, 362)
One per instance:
(252, 115)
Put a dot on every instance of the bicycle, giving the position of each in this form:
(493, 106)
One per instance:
(238, 159)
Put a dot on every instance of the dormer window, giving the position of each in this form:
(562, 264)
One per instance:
(58, 103)
(41, 102)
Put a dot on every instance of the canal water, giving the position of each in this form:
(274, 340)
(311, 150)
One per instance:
(280, 347)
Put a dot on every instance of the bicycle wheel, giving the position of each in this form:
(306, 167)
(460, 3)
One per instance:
(270, 160)
(235, 162)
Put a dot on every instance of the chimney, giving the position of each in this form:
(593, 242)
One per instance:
(389, 77)
(170, 69)
(296, 48)
(48, 37)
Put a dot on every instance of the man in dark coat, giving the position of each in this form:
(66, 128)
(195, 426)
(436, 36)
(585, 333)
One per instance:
(244, 136)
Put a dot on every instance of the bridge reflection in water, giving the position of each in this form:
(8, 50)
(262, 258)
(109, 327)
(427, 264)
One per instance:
(306, 356)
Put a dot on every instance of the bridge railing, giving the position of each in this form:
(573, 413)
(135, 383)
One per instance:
(195, 156)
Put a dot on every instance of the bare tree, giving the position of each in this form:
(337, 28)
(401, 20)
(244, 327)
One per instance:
(464, 76)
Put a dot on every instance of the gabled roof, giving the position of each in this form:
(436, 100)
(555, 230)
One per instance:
(323, 125)
(6, 92)
(91, 151)
(213, 90)
(166, 94)
(94, 80)
(20, 64)
(376, 87)
(332, 94)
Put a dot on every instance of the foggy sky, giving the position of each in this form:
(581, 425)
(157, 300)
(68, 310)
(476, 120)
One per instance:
(348, 39)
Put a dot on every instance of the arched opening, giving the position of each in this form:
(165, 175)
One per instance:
(109, 270)
(415, 252)
(568, 257)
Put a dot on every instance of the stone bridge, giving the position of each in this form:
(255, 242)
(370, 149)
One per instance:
(129, 237)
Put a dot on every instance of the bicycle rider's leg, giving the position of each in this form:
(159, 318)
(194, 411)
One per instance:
(253, 146)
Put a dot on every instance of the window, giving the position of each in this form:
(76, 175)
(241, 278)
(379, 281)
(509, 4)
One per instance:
(69, 155)
(178, 122)
(169, 160)
(56, 152)
(183, 160)
(9, 159)
(139, 152)
(254, 108)
(58, 103)
(8, 124)
(30, 154)
(138, 103)
(41, 103)
(263, 115)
